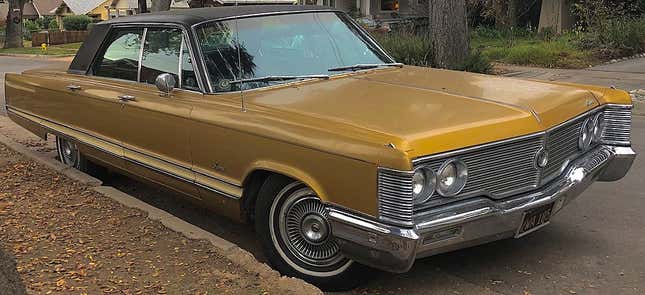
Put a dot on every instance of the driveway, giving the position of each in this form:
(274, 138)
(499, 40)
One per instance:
(595, 246)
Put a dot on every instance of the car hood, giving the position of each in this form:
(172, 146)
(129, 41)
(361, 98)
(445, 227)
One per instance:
(423, 111)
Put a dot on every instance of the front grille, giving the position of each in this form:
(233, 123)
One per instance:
(562, 144)
(619, 125)
(500, 169)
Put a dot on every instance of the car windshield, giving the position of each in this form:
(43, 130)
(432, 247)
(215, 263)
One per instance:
(291, 45)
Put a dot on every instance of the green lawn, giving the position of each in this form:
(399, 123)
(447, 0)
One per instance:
(63, 49)
(559, 52)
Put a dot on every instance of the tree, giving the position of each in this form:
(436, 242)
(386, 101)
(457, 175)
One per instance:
(143, 6)
(13, 37)
(160, 5)
(449, 32)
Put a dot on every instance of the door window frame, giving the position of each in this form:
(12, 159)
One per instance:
(187, 41)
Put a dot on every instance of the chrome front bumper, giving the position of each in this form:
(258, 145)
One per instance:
(469, 222)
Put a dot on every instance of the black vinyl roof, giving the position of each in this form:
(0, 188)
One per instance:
(192, 16)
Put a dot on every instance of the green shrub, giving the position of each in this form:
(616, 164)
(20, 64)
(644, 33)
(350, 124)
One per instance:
(53, 25)
(476, 63)
(616, 38)
(406, 47)
(76, 22)
(30, 27)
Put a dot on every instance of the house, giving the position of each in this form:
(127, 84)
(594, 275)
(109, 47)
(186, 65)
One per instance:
(129, 7)
(119, 8)
(40, 8)
(4, 10)
(384, 10)
(96, 9)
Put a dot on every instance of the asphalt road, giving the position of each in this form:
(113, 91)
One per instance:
(594, 246)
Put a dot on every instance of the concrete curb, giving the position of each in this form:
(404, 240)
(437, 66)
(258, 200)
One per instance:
(231, 251)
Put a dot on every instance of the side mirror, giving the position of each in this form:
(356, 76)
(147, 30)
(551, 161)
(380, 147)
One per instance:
(165, 83)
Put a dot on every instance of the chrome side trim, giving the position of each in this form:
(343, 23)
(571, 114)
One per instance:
(156, 169)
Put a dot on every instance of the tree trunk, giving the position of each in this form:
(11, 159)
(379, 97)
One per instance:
(500, 9)
(513, 6)
(449, 32)
(143, 6)
(13, 37)
(160, 5)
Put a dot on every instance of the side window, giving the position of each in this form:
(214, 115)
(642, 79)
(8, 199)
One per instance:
(161, 52)
(220, 54)
(188, 78)
(121, 57)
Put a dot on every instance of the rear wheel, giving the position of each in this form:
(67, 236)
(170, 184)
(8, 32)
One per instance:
(292, 225)
(69, 154)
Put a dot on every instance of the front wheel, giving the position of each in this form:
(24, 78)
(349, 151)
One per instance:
(292, 225)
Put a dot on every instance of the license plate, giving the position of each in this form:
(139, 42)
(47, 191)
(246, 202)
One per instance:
(535, 219)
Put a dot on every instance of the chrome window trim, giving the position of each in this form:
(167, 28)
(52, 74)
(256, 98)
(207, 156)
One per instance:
(181, 61)
(16, 112)
(360, 29)
(140, 63)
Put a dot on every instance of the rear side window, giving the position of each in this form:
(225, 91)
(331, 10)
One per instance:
(120, 59)
(161, 54)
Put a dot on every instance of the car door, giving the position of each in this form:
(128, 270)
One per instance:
(156, 137)
(89, 104)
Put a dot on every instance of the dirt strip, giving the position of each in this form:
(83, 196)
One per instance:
(69, 239)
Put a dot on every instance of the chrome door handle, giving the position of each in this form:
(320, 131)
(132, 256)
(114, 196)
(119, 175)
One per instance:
(73, 87)
(126, 98)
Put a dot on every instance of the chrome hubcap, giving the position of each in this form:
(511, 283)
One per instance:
(314, 228)
(305, 230)
(68, 152)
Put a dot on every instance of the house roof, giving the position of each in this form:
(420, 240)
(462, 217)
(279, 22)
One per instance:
(82, 6)
(46, 7)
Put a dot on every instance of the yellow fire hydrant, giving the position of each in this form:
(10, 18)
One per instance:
(43, 47)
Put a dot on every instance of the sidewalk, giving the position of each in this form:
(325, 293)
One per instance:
(68, 238)
(628, 75)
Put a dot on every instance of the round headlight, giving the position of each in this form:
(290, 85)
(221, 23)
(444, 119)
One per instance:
(452, 178)
(423, 185)
(586, 134)
(599, 126)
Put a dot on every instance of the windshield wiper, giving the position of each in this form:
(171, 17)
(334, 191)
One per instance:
(279, 78)
(364, 67)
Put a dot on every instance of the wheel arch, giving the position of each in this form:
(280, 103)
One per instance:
(258, 174)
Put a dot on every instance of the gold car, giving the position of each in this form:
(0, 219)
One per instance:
(294, 119)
